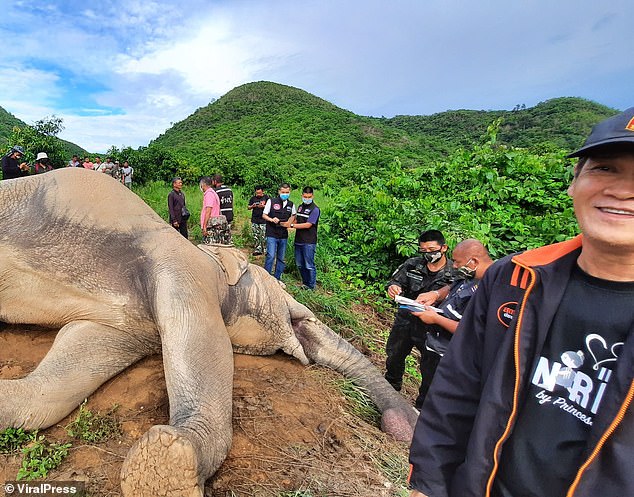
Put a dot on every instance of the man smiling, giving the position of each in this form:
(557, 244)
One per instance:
(534, 396)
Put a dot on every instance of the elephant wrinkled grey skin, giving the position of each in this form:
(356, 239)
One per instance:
(80, 252)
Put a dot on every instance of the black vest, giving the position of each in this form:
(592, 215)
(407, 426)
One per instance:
(283, 214)
(226, 201)
(306, 235)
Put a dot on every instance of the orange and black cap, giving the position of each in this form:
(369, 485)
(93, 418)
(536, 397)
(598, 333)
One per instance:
(617, 129)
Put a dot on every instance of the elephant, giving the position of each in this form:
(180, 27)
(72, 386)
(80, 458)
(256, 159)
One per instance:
(81, 253)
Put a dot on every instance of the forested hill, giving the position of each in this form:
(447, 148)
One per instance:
(561, 122)
(7, 122)
(268, 132)
(271, 131)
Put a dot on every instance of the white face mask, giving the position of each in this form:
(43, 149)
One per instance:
(201, 188)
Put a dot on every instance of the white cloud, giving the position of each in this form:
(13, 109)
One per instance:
(158, 61)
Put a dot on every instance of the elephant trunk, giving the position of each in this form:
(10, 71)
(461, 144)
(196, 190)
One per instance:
(325, 347)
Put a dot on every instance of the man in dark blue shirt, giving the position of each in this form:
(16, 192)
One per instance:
(471, 260)
(305, 222)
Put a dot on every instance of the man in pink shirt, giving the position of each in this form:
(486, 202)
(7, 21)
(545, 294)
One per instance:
(211, 204)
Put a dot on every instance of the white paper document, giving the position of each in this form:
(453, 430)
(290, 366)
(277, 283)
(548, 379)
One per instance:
(412, 305)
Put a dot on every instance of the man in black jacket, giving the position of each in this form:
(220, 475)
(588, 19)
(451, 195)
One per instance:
(11, 165)
(430, 271)
(176, 206)
(534, 397)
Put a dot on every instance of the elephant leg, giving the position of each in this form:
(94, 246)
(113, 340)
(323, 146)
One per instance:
(83, 357)
(175, 460)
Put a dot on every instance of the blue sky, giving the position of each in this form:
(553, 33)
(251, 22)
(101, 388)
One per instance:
(119, 72)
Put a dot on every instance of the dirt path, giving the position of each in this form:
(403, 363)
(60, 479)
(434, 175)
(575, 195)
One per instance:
(294, 435)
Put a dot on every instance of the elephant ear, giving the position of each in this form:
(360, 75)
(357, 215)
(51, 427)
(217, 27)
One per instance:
(233, 262)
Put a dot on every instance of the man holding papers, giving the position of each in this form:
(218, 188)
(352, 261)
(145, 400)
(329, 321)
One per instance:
(471, 260)
(430, 271)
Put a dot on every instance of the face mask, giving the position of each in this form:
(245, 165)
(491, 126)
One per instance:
(307, 200)
(201, 188)
(432, 257)
(284, 196)
(466, 272)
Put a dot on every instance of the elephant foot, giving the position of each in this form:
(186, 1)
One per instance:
(399, 423)
(163, 462)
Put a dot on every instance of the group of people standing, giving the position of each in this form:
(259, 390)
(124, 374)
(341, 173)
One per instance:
(13, 166)
(280, 215)
(122, 173)
(271, 219)
(216, 214)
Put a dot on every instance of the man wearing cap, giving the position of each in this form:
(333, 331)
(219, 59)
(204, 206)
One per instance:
(535, 395)
(11, 165)
(42, 164)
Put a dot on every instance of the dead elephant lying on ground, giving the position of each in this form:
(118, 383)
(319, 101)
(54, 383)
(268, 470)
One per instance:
(121, 284)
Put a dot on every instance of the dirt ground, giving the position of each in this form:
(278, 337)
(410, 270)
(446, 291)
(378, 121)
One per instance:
(294, 434)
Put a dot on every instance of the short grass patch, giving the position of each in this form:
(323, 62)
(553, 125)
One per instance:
(93, 427)
(14, 439)
(360, 403)
(40, 456)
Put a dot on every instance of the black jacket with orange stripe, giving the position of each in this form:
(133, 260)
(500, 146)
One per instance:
(478, 386)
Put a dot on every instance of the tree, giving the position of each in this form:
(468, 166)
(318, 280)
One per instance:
(41, 137)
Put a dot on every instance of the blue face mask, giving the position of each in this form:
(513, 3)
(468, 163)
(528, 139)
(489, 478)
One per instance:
(284, 196)
(307, 200)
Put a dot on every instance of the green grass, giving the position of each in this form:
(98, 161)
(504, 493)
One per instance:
(93, 427)
(13, 439)
(360, 403)
(394, 466)
(40, 456)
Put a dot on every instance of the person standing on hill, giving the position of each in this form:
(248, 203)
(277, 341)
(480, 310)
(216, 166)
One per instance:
(126, 174)
(258, 224)
(305, 222)
(11, 165)
(429, 271)
(177, 209)
(87, 163)
(535, 395)
(277, 214)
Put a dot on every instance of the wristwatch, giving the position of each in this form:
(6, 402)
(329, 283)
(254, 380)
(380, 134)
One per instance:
(292, 225)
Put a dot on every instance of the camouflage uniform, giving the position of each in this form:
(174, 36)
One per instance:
(259, 237)
(116, 173)
(218, 231)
